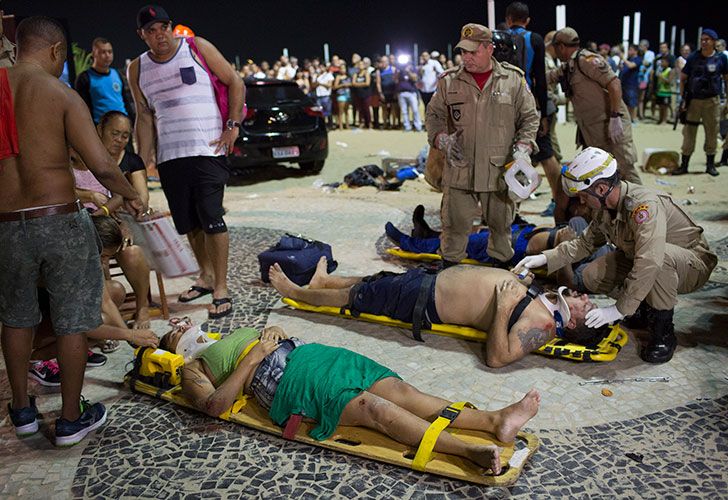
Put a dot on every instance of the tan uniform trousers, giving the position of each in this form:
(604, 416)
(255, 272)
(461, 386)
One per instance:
(624, 151)
(683, 271)
(555, 140)
(707, 110)
(459, 207)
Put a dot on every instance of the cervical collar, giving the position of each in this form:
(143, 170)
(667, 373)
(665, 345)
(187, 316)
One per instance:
(192, 343)
(560, 310)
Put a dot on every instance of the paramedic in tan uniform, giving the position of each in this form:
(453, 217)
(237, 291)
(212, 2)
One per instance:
(661, 252)
(601, 115)
(481, 116)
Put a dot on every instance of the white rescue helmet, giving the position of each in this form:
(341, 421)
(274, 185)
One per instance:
(522, 180)
(585, 169)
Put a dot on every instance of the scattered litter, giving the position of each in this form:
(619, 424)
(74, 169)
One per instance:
(251, 196)
(318, 184)
(384, 152)
(665, 183)
(687, 202)
(691, 190)
(637, 457)
(607, 393)
(662, 171)
(606, 381)
(342, 144)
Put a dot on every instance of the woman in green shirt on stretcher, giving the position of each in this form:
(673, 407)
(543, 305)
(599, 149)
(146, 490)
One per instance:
(331, 386)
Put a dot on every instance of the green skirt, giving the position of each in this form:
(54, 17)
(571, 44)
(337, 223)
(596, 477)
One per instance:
(319, 381)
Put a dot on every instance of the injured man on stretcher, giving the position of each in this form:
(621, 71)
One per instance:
(517, 319)
(331, 386)
(527, 239)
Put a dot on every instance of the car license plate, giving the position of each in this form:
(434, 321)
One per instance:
(288, 152)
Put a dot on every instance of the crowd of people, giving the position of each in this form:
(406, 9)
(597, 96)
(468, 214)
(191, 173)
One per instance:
(70, 181)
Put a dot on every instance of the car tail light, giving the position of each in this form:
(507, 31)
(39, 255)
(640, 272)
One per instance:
(314, 111)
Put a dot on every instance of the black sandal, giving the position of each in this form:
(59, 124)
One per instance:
(201, 290)
(217, 303)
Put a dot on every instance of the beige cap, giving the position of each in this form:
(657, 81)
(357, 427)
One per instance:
(473, 35)
(567, 36)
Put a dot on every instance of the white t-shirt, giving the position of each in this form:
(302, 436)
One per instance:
(430, 71)
(324, 78)
(649, 56)
(259, 75)
(286, 72)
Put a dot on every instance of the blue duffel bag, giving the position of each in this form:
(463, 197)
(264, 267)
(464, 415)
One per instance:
(297, 257)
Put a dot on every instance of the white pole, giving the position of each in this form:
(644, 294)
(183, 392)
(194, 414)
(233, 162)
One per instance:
(625, 34)
(285, 51)
(662, 32)
(386, 49)
(682, 37)
(560, 17)
(326, 53)
(491, 14)
(416, 56)
(636, 28)
(560, 24)
(672, 39)
(700, 33)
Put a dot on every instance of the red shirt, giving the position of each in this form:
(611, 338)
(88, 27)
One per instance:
(8, 132)
(481, 78)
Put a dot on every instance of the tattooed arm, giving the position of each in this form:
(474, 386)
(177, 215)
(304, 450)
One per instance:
(198, 388)
(504, 347)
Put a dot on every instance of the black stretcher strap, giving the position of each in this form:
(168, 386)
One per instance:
(533, 291)
(418, 315)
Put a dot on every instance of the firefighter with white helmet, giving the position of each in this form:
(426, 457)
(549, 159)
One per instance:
(661, 252)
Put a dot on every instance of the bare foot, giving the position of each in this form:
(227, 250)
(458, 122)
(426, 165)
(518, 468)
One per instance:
(513, 417)
(321, 275)
(141, 319)
(487, 456)
(280, 281)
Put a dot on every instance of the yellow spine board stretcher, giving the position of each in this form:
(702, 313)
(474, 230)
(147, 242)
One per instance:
(606, 350)
(430, 257)
(358, 441)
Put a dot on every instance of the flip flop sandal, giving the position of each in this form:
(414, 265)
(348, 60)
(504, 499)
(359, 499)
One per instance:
(202, 291)
(217, 303)
(110, 346)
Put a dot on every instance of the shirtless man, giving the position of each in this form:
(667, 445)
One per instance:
(480, 297)
(46, 235)
(331, 386)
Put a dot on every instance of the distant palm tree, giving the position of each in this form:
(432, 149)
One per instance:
(81, 58)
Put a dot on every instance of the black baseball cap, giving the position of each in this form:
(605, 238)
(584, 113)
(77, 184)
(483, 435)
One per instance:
(151, 14)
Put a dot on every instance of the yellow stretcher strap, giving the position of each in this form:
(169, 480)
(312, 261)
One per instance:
(245, 352)
(242, 397)
(427, 444)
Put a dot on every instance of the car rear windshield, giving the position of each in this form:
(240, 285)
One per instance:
(270, 95)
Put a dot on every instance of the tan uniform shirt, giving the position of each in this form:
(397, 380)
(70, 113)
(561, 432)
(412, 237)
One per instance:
(645, 221)
(492, 121)
(588, 79)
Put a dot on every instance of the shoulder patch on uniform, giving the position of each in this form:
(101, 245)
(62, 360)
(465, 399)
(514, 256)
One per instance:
(512, 67)
(641, 214)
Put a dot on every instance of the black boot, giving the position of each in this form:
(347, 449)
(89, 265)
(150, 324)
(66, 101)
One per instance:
(683, 166)
(420, 228)
(662, 343)
(710, 163)
(724, 159)
(448, 263)
(639, 318)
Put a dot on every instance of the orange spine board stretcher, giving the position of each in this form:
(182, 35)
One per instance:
(606, 350)
(373, 445)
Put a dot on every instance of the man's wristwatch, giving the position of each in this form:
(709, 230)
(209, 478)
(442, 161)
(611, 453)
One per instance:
(615, 115)
(231, 124)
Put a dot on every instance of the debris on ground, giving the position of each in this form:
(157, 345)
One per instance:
(607, 393)
(606, 381)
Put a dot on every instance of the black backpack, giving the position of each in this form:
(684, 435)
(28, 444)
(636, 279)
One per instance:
(297, 257)
(509, 47)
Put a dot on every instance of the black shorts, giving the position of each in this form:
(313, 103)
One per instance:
(393, 295)
(545, 150)
(663, 100)
(194, 187)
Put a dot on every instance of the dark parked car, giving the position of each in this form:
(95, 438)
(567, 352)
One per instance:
(282, 124)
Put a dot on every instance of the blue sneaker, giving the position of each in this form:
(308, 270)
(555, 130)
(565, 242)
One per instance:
(549, 212)
(394, 234)
(70, 433)
(25, 419)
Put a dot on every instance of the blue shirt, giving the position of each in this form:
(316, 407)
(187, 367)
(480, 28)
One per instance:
(105, 90)
(630, 76)
(705, 74)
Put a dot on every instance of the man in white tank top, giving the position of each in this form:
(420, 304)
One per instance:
(178, 117)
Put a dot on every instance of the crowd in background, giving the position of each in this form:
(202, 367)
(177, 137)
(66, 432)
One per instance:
(384, 92)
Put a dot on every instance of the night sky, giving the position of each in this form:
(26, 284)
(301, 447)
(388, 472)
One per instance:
(260, 29)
